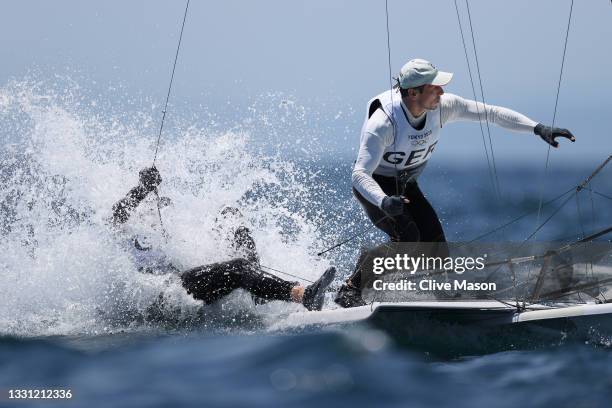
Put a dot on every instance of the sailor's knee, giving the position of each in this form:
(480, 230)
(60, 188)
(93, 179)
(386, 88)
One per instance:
(239, 267)
(191, 279)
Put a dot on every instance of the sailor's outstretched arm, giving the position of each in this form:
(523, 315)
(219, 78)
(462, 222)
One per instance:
(149, 180)
(123, 208)
(376, 135)
(453, 108)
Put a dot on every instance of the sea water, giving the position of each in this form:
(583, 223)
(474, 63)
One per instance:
(76, 314)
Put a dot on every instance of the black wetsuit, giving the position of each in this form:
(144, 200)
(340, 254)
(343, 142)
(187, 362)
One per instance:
(418, 223)
(210, 283)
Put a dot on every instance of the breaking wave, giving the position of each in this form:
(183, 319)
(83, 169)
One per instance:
(68, 156)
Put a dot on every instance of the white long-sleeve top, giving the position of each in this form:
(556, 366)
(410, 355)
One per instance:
(377, 138)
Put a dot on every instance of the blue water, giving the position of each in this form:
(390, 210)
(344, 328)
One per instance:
(324, 369)
(196, 366)
(72, 314)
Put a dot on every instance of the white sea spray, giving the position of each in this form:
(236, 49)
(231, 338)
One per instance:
(67, 157)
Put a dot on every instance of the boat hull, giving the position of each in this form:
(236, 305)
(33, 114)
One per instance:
(452, 329)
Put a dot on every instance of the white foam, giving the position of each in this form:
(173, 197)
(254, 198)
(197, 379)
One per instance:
(68, 159)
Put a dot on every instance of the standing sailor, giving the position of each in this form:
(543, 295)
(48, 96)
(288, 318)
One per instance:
(398, 137)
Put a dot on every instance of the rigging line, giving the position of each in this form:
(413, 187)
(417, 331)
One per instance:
(519, 217)
(591, 192)
(569, 238)
(354, 235)
(391, 88)
(578, 189)
(467, 60)
(589, 238)
(597, 170)
(522, 259)
(601, 194)
(161, 222)
(490, 276)
(584, 185)
(516, 285)
(161, 126)
(579, 213)
(592, 206)
(483, 101)
(578, 288)
(593, 223)
(569, 20)
(549, 218)
(285, 273)
(558, 250)
(513, 277)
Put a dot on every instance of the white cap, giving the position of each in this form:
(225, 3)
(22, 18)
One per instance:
(419, 72)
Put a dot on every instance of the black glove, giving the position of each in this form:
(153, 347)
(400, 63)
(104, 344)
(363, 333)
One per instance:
(393, 205)
(548, 134)
(149, 178)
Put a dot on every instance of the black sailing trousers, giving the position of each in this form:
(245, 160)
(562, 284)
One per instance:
(210, 283)
(418, 223)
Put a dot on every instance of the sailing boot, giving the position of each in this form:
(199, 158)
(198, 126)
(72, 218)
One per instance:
(349, 296)
(314, 294)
